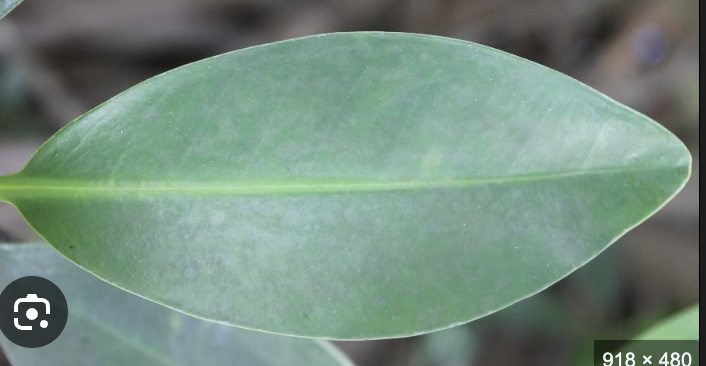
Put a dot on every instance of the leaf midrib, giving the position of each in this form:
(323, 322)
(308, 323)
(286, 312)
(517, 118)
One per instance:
(19, 182)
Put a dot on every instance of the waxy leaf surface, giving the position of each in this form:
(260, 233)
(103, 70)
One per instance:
(6, 6)
(348, 186)
(681, 326)
(111, 327)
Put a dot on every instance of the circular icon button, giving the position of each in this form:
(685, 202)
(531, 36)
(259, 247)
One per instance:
(33, 312)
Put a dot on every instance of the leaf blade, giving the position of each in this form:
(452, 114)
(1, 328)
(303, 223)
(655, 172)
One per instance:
(6, 6)
(108, 326)
(387, 172)
(683, 325)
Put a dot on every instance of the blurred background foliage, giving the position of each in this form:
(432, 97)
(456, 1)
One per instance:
(60, 58)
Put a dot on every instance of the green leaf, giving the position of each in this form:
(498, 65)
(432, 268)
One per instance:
(348, 186)
(108, 326)
(457, 346)
(681, 326)
(6, 6)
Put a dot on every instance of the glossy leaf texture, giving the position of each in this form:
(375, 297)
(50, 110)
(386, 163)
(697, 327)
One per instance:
(348, 186)
(6, 6)
(108, 326)
(681, 326)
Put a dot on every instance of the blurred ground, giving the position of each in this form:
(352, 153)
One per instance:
(60, 58)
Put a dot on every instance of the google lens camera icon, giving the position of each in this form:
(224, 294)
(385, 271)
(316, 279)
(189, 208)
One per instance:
(32, 312)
